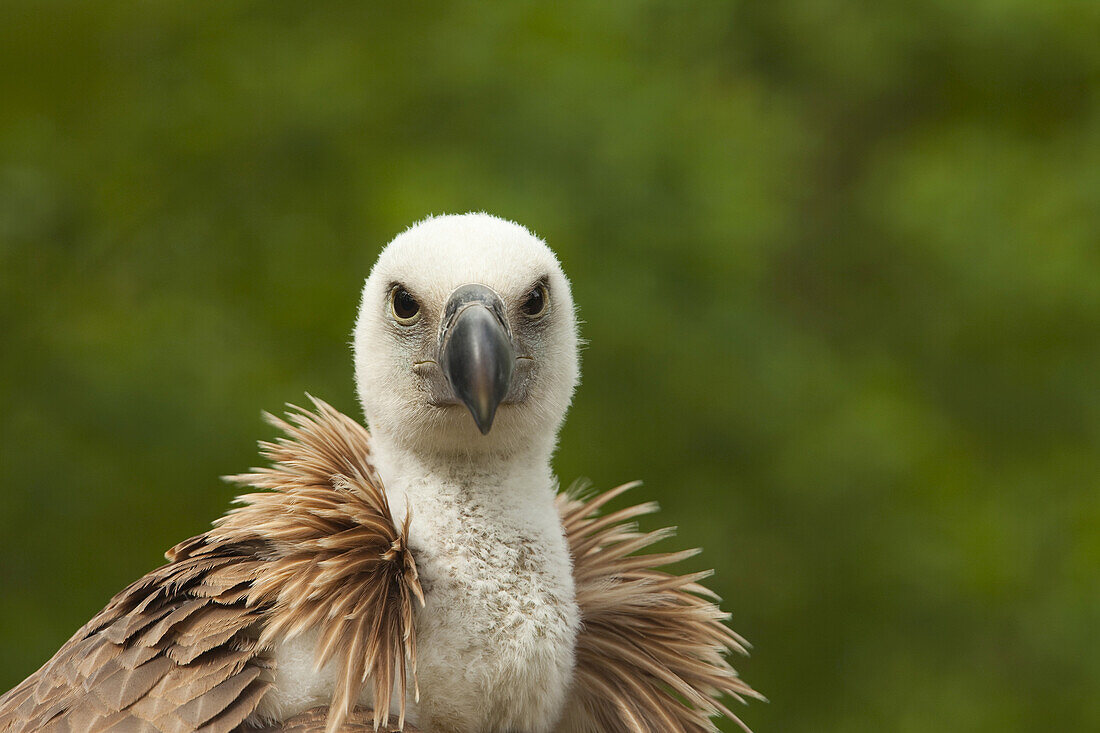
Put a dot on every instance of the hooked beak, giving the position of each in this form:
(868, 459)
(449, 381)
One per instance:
(476, 351)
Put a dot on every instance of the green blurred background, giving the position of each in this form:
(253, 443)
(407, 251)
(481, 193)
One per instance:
(838, 263)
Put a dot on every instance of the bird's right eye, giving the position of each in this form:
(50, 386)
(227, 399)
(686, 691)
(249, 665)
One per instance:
(406, 310)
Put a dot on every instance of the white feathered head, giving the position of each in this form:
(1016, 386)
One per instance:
(466, 339)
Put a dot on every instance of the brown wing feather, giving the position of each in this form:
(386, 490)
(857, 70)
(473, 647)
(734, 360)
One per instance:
(182, 649)
(651, 653)
(112, 671)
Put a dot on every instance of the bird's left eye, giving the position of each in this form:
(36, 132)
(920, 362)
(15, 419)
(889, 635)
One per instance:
(537, 301)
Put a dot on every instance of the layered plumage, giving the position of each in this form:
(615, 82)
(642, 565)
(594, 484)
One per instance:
(182, 649)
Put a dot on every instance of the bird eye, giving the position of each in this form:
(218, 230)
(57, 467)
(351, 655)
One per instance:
(406, 310)
(537, 301)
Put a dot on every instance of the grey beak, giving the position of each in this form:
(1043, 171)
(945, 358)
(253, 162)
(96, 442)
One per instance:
(476, 352)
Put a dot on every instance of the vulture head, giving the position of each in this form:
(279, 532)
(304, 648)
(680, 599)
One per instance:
(466, 339)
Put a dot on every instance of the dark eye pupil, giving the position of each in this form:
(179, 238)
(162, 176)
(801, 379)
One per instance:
(404, 305)
(534, 303)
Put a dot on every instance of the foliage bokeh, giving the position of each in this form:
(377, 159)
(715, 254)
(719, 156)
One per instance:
(838, 263)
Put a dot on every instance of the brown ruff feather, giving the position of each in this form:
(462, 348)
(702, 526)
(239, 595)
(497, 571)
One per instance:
(182, 647)
(651, 652)
(337, 562)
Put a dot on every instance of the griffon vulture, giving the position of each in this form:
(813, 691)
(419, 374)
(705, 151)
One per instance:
(426, 576)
